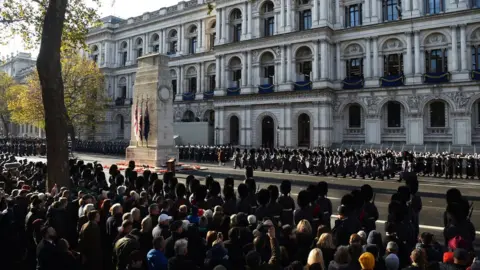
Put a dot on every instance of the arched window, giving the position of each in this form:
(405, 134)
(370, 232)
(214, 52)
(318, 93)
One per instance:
(436, 60)
(437, 114)
(354, 116)
(235, 67)
(193, 39)
(124, 53)
(394, 114)
(303, 59)
(268, 17)
(304, 130)
(212, 34)
(120, 125)
(188, 116)
(191, 77)
(139, 47)
(172, 42)
(211, 77)
(476, 56)
(392, 10)
(234, 130)
(393, 64)
(267, 62)
(173, 75)
(156, 43)
(236, 25)
(122, 88)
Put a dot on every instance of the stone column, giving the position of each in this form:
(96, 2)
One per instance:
(376, 70)
(323, 60)
(315, 122)
(201, 79)
(282, 16)
(315, 13)
(323, 11)
(289, 63)
(181, 40)
(415, 8)
(180, 81)
(454, 58)
(250, 20)
(146, 44)
(374, 11)
(221, 123)
(248, 125)
(368, 59)
(406, 7)
(325, 126)
(417, 52)
(201, 35)
(366, 12)
(339, 61)
(315, 64)
(244, 70)
(283, 64)
(249, 68)
(408, 59)
(130, 52)
(338, 19)
(288, 18)
(288, 125)
(463, 47)
(223, 74)
(244, 22)
(217, 26)
(163, 42)
(224, 27)
(373, 133)
(462, 129)
(217, 73)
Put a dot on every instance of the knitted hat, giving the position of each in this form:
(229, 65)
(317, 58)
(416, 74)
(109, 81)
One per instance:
(392, 262)
(367, 261)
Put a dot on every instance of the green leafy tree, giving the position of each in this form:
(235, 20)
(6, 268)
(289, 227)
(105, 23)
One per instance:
(56, 25)
(6, 82)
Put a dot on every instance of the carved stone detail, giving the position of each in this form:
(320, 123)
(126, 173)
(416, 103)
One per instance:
(460, 98)
(435, 39)
(372, 102)
(414, 101)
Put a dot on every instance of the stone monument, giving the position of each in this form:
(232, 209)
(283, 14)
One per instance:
(152, 133)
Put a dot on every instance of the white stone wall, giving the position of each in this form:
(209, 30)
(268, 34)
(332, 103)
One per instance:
(330, 46)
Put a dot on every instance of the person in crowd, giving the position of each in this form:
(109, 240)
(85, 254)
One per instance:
(47, 252)
(90, 242)
(156, 259)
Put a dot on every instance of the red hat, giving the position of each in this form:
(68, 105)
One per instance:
(26, 187)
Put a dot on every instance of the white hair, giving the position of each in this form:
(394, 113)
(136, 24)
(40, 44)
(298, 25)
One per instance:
(134, 195)
(87, 208)
(121, 190)
(252, 219)
(135, 211)
(181, 247)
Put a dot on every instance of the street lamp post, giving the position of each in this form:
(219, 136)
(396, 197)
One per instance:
(278, 136)
(216, 135)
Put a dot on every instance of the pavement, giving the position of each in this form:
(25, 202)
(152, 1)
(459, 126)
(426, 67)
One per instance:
(432, 190)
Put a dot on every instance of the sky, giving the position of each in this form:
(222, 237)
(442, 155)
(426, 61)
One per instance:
(121, 8)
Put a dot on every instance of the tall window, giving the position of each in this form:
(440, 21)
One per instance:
(269, 26)
(213, 36)
(475, 3)
(355, 67)
(174, 87)
(394, 110)
(269, 73)
(355, 116)
(139, 52)
(173, 47)
(193, 45)
(193, 85)
(437, 114)
(124, 58)
(211, 81)
(237, 32)
(123, 92)
(237, 76)
(353, 15)
(156, 48)
(305, 68)
(393, 64)
(476, 57)
(435, 6)
(392, 10)
(305, 19)
(95, 58)
(436, 60)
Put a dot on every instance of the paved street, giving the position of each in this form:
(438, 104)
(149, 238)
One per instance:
(432, 190)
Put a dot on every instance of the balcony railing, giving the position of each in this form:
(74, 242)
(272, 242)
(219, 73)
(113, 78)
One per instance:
(393, 131)
(355, 82)
(233, 89)
(354, 131)
(302, 85)
(208, 95)
(123, 101)
(475, 75)
(188, 96)
(392, 80)
(438, 130)
(266, 88)
(436, 77)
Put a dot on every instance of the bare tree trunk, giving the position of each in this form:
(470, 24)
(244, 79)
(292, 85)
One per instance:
(6, 125)
(50, 74)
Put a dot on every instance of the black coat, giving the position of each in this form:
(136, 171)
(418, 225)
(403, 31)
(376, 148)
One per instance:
(181, 263)
(47, 255)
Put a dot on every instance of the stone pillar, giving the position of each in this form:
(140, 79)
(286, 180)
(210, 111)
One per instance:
(373, 133)
(323, 12)
(462, 129)
(366, 12)
(408, 59)
(224, 27)
(316, 63)
(217, 73)
(163, 42)
(323, 60)
(281, 125)
(289, 27)
(405, 7)
(146, 44)
(201, 79)
(325, 115)
(221, 125)
(417, 52)
(374, 18)
(250, 20)
(181, 40)
(316, 124)
(283, 64)
(223, 74)
(339, 63)
(454, 50)
(282, 16)
(288, 125)
(180, 81)
(244, 70)
(338, 18)
(201, 35)
(244, 22)
(248, 121)
(368, 58)
(376, 71)
(315, 13)
(249, 68)
(218, 21)
(415, 8)
(289, 63)
(463, 48)
(415, 130)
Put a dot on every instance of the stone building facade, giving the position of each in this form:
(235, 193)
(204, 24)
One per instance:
(305, 72)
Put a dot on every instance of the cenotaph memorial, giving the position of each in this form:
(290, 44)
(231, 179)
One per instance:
(152, 133)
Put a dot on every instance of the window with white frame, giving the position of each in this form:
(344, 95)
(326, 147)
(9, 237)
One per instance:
(236, 25)
(268, 17)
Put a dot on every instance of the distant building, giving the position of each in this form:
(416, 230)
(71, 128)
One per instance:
(19, 67)
(304, 73)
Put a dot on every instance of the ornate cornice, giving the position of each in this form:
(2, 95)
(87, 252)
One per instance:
(275, 98)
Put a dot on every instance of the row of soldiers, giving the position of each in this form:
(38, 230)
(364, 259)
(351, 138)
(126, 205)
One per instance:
(101, 147)
(23, 146)
(205, 153)
(367, 163)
